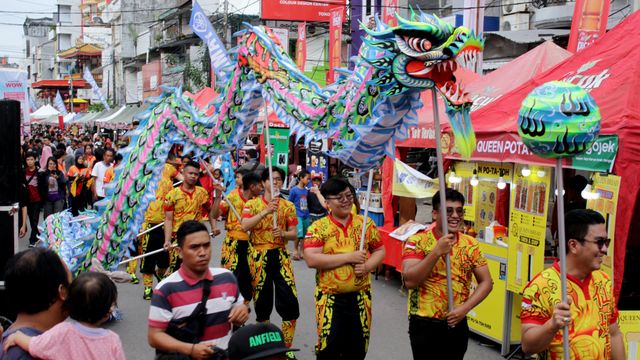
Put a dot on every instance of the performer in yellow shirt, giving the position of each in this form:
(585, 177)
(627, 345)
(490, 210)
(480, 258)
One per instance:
(187, 202)
(154, 239)
(591, 313)
(270, 263)
(343, 287)
(424, 274)
(236, 247)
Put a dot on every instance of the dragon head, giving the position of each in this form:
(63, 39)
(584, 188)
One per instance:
(422, 52)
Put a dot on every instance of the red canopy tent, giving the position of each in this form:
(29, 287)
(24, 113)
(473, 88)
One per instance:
(610, 70)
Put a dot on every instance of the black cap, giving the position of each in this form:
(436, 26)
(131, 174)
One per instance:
(256, 341)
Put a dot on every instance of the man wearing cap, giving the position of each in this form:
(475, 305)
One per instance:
(258, 341)
(590, 312)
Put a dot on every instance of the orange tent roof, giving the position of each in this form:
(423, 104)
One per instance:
(77, 84)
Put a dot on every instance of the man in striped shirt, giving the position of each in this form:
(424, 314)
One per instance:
(177, 296)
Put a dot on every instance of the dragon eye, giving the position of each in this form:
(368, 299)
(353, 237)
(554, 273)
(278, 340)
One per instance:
(418, 44)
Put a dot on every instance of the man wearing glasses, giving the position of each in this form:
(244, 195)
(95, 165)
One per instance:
(424, 273)
(590, 312)
(270, 263)
(343, 287)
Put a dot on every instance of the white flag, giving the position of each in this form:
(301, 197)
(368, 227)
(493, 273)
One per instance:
(59, 104)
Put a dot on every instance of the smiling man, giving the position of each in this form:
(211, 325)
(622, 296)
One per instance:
(591, 313)
(436, 333)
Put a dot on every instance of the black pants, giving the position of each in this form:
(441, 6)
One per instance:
(154, 240)
(286, 301)
(346, 340)
(77, 204)
(33, 211)
(434, 339)
(242, 271)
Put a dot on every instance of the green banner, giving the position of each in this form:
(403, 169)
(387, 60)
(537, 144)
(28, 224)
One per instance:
(279, 138)
(600, 156)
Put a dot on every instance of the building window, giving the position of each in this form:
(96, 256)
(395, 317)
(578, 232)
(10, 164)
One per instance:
(64, 13)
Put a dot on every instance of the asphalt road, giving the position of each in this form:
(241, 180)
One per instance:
(389, 338)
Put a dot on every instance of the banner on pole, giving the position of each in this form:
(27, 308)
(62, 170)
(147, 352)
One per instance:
(589, 23)
(409, 182)
(279, 139)
(317, 161)
(202, 27)
(59, 104)
(389, 9)
(335, 44)
(94, 87)
(301, 46)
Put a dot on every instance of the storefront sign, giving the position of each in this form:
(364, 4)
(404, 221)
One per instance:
(608, 187)
(300, 10)
(279, 138)
(629, 322)
(600, 157)
(14, 86)
(527, 225)
(409, 182)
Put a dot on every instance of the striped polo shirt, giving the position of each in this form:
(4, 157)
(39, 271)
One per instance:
(175, 298)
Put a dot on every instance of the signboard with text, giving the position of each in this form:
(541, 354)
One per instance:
(300, 10)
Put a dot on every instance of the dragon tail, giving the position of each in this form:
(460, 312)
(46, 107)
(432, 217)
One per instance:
(464, 136)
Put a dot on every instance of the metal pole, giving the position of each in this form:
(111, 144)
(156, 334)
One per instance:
(366, 209)
(268, 142)
(563, 251)
(145, 255)
(443, 198)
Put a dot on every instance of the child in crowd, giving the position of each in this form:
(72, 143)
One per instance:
(91, 298)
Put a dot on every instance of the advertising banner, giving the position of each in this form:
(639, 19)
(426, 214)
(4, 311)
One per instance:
(279, 139)
(600, 157)
(13, 86)
(317, 161)
(608, 188)
(201, 26)
(409, 182)
(335, 44)
(527, 225)
(629, 322)
(301, 46)
(389, 8)
(589, 23)
(300, 10)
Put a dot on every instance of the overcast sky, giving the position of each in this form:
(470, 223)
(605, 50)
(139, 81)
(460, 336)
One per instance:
(15, 11)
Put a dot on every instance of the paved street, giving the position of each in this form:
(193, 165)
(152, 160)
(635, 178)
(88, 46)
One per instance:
(389, 331)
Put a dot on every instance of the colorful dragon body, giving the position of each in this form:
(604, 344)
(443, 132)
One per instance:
(365, 111)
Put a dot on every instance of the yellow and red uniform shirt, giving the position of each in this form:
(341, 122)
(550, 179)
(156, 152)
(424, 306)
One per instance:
(430, 298)
(334, 238)
(155, 211)
(233, 227)
(261, 235)
(593, 310)
(77, 184)
(186, 205)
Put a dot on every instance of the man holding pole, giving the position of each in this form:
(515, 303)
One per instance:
(270, 263)
(186, 202)
(235, 249)
(154, 239)
(590, 311)
(424, 273)
(343, 287)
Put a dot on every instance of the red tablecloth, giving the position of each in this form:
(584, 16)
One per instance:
(393, 248)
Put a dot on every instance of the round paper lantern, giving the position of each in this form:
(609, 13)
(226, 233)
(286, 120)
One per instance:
(558, 119)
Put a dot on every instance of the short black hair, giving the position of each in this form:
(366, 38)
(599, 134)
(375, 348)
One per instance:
(91, 296)
(30, 154)
(32, 279)
(449, 194)
(187, 228)
(113, 152)
(334, 186)
(242, 172)
(252, 153)
(265, 173)
(250, 178)
(303, 173)
(192, 164)
(577, 223)
(61, 146)
(186, 157)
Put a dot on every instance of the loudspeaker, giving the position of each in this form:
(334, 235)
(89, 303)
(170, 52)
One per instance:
(9, 152)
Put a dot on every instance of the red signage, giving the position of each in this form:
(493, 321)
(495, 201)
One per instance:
(301, 46)
(300, 10)
(335, 44)
(389, 9)
(588, 24)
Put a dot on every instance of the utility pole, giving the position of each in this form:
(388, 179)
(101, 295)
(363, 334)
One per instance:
(227, 33)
